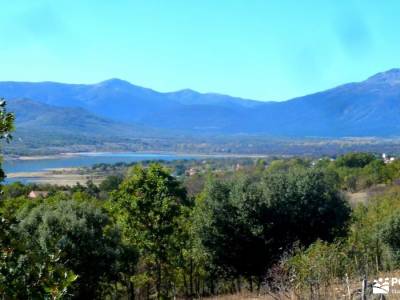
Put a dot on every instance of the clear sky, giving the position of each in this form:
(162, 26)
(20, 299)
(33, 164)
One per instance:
(259, 49)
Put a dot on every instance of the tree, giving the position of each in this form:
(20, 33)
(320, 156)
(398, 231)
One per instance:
(250, 225)
(15, 189)
(232, 231)
(284, 165)
(303, 206)
(80, 235)
(6, 126)
(26, 274)
(355, 160)
(390, 233)
(111, 183)
(92, 189)
(393, 170)
(151, 204)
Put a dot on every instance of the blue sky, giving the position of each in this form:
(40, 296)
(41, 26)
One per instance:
(259, 49)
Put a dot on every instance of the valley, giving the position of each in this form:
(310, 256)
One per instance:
(115, 115)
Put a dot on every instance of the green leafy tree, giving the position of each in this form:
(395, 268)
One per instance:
(393, 170)
(24, 273)
(151, 204)
(92, 189)
(250, 225)
(231, 229)
(193, 261)
(390, 234)
(111, 183)
(355, 160)
(284, 165)
(304, 207)
(79, 235)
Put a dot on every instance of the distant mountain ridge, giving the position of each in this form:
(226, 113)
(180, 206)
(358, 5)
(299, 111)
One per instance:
(367, 108)
(39, 117)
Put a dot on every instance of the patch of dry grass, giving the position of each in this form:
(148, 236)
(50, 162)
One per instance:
(247, 296)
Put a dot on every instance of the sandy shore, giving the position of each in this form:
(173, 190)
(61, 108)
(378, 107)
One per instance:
(60, 176)
(40, 157)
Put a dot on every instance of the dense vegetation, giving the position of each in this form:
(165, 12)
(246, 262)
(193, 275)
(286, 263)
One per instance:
(143, 235)
(280, 226)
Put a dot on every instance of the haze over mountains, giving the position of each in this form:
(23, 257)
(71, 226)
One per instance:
(116, 107)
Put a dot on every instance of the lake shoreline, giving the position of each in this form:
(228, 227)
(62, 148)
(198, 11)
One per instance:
(99, 153)
(73, 167)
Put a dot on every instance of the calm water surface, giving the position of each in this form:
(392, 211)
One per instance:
(84, 160)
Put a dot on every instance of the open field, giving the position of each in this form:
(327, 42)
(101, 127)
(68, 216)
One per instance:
(64, 176)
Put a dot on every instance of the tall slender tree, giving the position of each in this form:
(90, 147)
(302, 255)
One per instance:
(151, 204)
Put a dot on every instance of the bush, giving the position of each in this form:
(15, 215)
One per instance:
(79, 234)
(355, 160)
(250, 225)
(319, 266)
(390, 233)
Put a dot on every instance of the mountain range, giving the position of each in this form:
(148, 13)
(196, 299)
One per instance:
(118, 108)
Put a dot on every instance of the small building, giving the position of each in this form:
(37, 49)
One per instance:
(387, 159)
(37, 194)
(191, 172)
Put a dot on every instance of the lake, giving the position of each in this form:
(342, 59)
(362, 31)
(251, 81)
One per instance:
(84, 160)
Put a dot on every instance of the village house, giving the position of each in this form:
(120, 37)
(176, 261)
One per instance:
(37, 194)
(387, 159)
(191, 172)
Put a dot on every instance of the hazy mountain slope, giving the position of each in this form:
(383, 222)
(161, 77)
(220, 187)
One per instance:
(190, 97)
(371, 107)
(39, 117)
(117, 99)
(368, 108)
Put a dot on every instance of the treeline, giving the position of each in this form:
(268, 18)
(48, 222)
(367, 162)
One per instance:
(351, 172)
(282, 227)
(149, 239)
(178, 167)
